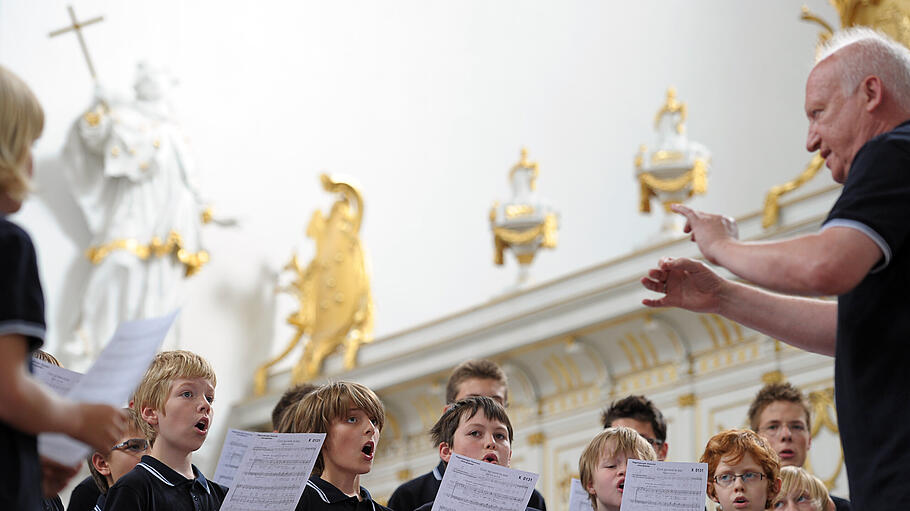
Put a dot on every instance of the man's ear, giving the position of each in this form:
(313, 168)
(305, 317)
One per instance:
(149, 415)
(664, 447)
(445, 452)
(871, 90)
(101, 464)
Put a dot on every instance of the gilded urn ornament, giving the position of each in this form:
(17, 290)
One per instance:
(675, 170)
(525, 223)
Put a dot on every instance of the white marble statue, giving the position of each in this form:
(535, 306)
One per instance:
(131, 173)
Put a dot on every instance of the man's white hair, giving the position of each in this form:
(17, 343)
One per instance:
(871, 53)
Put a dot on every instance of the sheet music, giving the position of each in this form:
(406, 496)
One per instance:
(664, 485)
(111, 379)
(273, 472)
(578, 497)
(474, 485)
(60, 380)
(236, 443)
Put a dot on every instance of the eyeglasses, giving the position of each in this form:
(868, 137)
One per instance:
(655, 443)
(725, 480)
(132, 446)
(776, 430)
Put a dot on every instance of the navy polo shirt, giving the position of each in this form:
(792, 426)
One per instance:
(21, 313)
(84, 496)
(154, 486)
(320, 494)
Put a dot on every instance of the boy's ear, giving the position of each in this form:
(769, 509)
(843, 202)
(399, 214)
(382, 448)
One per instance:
(149, 415)
(711, 493)
(445, 452)
(101, 464)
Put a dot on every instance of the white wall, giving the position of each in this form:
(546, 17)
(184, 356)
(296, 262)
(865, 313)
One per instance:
(427, 104)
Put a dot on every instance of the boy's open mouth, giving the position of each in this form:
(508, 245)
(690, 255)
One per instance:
(786, 453)
(621, 485)
(203, 424)
(368, 449)
(491, 457)
(741, 500)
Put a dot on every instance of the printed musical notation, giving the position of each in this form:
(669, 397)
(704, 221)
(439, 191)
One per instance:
(272, 472)
(474, 485)
(664, 485)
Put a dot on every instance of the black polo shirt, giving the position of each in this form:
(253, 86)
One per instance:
(320, 494)
(84, 496)
(420, 490)
(21, 313)
(154, 486)
(873, 327)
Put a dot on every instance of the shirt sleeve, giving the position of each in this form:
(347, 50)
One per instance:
(876, 197)
(21, 297)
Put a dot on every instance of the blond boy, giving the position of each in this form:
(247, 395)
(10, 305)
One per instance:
(108, 466)
(602, 465)
(174, 401)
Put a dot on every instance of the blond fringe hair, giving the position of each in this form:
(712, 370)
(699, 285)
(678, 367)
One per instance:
(21, 123)
(332, 401)
(165, 368)
(796, 481)
(620, 440)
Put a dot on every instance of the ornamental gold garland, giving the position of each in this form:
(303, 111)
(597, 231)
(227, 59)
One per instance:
(173, 245)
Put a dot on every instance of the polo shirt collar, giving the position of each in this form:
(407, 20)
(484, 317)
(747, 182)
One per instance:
(329, 494)
(169, 476)
(440, 470)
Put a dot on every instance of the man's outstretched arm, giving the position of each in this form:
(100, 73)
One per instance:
(805, 323)
(827, 263)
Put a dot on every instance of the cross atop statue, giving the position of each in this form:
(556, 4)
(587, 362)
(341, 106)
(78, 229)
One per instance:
(77, 27)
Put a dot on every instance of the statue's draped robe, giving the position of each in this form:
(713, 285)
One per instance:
(130, 173)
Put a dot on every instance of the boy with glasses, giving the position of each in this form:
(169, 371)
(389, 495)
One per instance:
(743, 470)
(107, 467)
(640, 414)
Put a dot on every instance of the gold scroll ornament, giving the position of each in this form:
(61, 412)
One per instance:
(336, 306)
(891, 17)
(824, 415)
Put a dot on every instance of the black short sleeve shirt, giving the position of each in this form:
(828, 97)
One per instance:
(154, 486)
(322, 495)
(873, 326)
(84, 496)
(22, 313)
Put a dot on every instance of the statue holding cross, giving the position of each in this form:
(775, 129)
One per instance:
(77, 27)
(129, 167)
